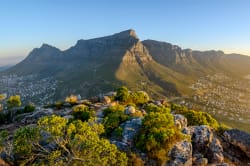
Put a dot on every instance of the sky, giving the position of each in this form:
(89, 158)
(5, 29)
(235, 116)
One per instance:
(196, 24)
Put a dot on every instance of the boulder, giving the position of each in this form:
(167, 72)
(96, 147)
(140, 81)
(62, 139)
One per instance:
(180, 121)
(35, 116)
(105, 99)
(205, 142)
(215, 152)
(130, 129)
(201, 162)
(68, 117)
(181, 154)
(130, 110)
(239, 139)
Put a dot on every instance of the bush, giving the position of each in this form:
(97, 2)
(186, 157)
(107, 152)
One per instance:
(154, 108)
(82, 112)
(14, 101)
(72, 99)
(113, 117)
(195, 118)
(139, 97)
(113, 109)
(135, 160)
(158, 133)
(29, 108)
(77, 143)
(58, 104)
(122, 94)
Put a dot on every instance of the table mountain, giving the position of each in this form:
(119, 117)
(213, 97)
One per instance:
(101, 64)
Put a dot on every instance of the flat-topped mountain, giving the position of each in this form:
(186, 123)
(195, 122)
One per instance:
(101, 64)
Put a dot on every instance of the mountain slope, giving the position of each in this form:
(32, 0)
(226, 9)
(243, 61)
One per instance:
(102, 64)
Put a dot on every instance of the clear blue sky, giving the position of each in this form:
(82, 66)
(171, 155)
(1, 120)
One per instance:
(197, 24)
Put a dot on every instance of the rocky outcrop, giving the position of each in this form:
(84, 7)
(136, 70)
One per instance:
(180, 121)
(130, 129)
(181, 154)
(238, 139)
(236, 145)
(205, 142)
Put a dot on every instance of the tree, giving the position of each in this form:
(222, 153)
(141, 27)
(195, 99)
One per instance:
(75, 143)
(14, 101)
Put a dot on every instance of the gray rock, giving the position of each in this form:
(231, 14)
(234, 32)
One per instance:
(68, 117)
(105, 99)
(205, 142)
(181, 154)
(180, 121)
(130, 129)
(130, 110)
(201, 162)
(35, 116)
(216, 151)
(238, 139)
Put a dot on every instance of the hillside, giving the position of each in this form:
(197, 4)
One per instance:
(126, 128)
(97, 65)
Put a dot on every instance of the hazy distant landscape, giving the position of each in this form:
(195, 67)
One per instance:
(125, 83)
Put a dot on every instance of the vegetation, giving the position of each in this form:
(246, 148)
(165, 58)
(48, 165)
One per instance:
(72, 99)
(158, 133)
(2, 97)
(55, 141)
(29, 108)
(138, 97)
(114, 116)
(122, 94)
(78, 141)
(82, 112)
(14, 101)
(196, 117)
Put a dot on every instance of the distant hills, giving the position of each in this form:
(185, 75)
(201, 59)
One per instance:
(99, 65)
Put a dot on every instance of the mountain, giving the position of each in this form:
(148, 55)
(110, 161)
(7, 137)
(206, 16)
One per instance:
(97, 65)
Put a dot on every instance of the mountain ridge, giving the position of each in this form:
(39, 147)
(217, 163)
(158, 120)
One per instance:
(102, 64)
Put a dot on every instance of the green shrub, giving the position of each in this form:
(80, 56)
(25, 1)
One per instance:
(72, 99)
(118, 132)
(195, 118)
(122, 94)
(112, 109)
(113, 117)
(154, 108)
(77, 143)
(158, 133)
(139, 97)
(82, 112)
(58, 104)
(14, 101)
(29, 108)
